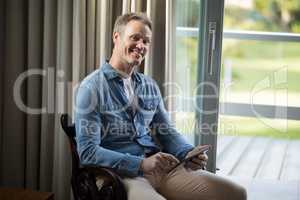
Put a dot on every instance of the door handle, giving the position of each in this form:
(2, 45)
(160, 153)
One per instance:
(212, 26)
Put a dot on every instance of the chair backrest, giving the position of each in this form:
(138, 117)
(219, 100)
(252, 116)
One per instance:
(84, 179)
(70, 131)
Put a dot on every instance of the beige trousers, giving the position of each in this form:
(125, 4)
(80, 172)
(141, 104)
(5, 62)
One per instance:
(183, 184)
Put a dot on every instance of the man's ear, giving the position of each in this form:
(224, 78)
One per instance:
(116, 36)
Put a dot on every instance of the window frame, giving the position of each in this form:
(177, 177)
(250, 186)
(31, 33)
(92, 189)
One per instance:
(213, 11)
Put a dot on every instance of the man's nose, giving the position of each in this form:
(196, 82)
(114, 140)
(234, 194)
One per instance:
(141, 45)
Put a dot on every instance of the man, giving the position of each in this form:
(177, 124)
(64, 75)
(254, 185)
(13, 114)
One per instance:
(117, 109)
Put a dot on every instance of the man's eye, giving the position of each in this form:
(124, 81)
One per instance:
(135, 38)
(146, 41)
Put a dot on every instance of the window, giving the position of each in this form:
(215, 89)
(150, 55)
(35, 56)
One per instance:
(261, 67)
(187, 19)
(259, 88)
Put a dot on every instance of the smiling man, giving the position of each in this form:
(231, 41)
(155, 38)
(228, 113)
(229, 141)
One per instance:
(116, 110)
(131, 42)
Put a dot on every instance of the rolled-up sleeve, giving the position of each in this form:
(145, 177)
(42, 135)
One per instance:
(88, 136)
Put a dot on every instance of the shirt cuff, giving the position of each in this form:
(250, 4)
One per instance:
(184, 152)
(130, 165)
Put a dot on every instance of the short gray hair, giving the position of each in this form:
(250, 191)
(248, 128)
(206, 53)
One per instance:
(122, 21)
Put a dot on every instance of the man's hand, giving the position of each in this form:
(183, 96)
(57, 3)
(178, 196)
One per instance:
(199, 162)
(161, 162)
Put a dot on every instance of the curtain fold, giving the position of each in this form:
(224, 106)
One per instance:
(14, 120)
(48, 96)
(58, 42)
(139, 5)
(2, 56)
(170, 48)
(126, 6)
(34, 92)
(91, 35)
(79, 41)
(156, 58)
(62, 159)
(104, 29)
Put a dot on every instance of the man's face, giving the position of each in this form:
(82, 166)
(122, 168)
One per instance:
(133, 44)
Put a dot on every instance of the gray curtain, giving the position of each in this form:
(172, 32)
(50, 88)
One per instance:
(60, 41)
(155, 63)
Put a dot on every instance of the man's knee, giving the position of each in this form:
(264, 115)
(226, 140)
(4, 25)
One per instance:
(139, 188)
(233, 191)
(240, 193)
(144, 195)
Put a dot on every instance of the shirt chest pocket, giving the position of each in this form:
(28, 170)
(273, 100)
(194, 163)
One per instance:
(147, 108)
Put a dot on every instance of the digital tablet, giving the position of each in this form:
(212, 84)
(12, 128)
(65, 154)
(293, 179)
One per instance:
(198, 150)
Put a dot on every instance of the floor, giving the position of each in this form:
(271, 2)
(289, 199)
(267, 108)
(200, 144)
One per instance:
(269, 189)
(268, 168)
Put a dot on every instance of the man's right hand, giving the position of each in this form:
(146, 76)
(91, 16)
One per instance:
(162, 162)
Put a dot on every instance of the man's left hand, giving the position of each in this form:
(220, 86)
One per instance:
(199, 162)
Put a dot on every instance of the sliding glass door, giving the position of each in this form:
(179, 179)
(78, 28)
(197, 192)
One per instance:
(197, 61)
(208, 73)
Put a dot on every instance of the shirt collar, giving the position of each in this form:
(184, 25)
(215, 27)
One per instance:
(111, 73)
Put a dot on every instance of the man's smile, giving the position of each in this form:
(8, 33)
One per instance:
(138, 54)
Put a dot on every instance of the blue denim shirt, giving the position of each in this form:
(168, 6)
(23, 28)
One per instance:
(110, 133)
